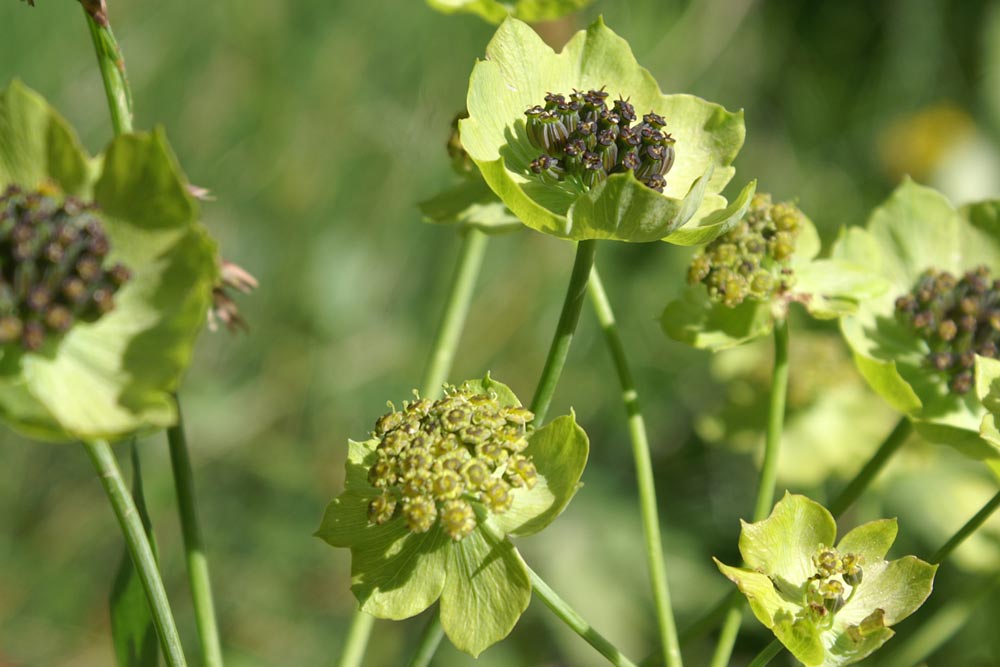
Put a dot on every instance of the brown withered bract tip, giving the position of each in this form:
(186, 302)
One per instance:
(96, 8)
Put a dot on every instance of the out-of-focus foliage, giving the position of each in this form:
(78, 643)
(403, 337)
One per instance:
(318, 126)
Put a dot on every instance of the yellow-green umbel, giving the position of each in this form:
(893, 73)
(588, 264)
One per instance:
(430, 499)
(105, 277)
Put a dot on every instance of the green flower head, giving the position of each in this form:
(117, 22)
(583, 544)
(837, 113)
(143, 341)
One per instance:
(105, 277)
(744, 280)
(829, 605)
(583, 144)
(921, 345)
(526, 10)
(429, 500)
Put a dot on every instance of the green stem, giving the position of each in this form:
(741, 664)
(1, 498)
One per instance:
(449, 331)
(357, 640)
(768, 478)
(767, 655)
(871, 469)
(643, 471)
(971, 526)
(197, 562)
(430, 639)
(571, 618)
(586, 251)
(838, 506)
(139, 548)
(456, 310)
(112, 66)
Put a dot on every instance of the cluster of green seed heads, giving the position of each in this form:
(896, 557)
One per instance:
(584, 141)
(435, 459)
(751, 261)
(835, 573)
(52, 256)
(958, 318)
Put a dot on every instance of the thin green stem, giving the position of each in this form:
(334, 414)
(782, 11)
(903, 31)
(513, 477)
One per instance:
(139, 548)
(430, 639)
(112, 66)
(586, 251)
(768, 478)
(357, 640)
(857, 486)
(838, 506)
(576, 623)
(194, 550)
(456, 310)
(643, 471)
(971, 526)
(767, 655)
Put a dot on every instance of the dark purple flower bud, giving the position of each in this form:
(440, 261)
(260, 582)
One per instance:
(656, 182)
(625, 111)
(655, 120)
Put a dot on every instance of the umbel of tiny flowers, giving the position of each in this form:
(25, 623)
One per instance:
(744, 280)
(526, 10)
(430, 498)
(829, 605)
(105, 282)
(920, 344)
(553, 150)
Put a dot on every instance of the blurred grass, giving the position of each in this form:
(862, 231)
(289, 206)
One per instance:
(317, 126)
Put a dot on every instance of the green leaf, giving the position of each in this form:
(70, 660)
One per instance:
(833, 287)
(898, 588)
(801, 638)
(526, 10)
(716, 223)
(132, 629)
(517, 73)
(37, 145)
(559, 451)
(766, 602)
(782, 545)
(988, 391)
(698, 321)
(471, 203)
(486, 591)
(488, 385)
(870, 541)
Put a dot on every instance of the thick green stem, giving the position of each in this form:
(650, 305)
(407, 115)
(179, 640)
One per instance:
(971, 526)
(194, 551)
(768, 478)
(357, 640)
(767, 655)
(112, 66)
(586, 251)
(139, 549)
(456, 310)
(430, 639)
(449, 331)
(838, 506)
(571, 618)
(643, 471)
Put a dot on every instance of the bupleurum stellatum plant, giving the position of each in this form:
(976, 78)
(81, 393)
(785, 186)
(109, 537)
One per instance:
(919, 344)
(829, 604)
(430, 499)
(106, 277)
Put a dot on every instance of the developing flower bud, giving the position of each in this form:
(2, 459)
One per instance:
(853, 574)
(52, 273)
(751, 260)
(435, 458)
(956, 318)
(583, 141)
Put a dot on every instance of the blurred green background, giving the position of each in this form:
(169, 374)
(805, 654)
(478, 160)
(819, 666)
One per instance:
(318, 125)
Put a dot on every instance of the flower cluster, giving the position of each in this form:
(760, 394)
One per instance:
(751, 260)
(584, 141)
(958, 318)
(436, 458)
(825, 591)
(53, 251)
